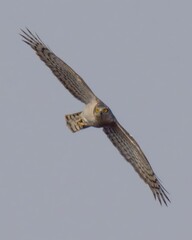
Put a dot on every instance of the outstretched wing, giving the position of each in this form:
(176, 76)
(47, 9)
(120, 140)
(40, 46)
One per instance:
(131, 151)
(68, 77)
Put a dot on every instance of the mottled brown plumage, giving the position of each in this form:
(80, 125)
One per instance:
(97, 114)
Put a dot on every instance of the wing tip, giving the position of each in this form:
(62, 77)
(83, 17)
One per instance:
(160, 193)
(29, 38)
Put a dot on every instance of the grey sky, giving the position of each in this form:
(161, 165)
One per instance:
(136, 56)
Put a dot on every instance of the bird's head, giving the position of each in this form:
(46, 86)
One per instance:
(103, 114)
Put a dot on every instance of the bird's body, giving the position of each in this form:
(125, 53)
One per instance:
(88, 113)
(97, 114)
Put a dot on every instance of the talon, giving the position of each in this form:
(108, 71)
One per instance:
(81, 123)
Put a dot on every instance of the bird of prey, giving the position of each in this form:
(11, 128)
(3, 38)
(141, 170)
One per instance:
(96, 114)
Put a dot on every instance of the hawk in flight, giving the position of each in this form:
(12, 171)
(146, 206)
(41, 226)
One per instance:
(96, 114)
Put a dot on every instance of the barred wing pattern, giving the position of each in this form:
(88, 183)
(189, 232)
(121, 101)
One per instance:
(68, 77)
(131, 151)
(120, 138)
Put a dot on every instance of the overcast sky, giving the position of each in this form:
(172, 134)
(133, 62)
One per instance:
(136, 56)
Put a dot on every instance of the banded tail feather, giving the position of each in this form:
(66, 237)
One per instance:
(75, 122)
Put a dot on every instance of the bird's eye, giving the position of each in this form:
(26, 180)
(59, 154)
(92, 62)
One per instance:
(96, 110)
(105, 110)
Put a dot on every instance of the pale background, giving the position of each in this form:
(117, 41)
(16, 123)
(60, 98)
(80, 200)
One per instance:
(137, 57)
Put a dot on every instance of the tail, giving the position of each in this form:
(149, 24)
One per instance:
(75, 122)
